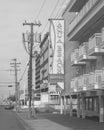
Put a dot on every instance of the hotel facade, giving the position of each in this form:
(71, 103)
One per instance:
(84, 58)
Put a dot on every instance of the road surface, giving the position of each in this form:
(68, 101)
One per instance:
(9, 120)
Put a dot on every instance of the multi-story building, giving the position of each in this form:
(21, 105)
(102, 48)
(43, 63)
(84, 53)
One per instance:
(48, 80)
(44, 60)
(84, 56)
(37, 76)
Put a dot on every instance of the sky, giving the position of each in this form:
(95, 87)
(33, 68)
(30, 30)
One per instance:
(12, 15)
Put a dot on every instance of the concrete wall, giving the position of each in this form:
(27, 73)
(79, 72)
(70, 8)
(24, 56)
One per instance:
(69, 47)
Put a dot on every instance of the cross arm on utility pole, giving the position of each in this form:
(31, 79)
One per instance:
(32, 24)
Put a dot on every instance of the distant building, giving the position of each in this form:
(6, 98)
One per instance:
(84, 57)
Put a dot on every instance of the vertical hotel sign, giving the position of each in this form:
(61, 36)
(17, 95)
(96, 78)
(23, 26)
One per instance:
(57, 46)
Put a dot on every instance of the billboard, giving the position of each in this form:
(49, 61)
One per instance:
(56, 46)
(56, 53)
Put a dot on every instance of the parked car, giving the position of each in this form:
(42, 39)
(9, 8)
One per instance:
(9, 107)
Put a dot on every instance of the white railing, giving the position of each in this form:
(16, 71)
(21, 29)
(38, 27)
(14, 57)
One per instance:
(76, 84)
(74, 55)
(86, 81)
(82, 13)
(95, 41)
(98, 79)
(102, 43)
(83, 49)
(102, 31)
(102, 77)
(81, 82)
(93, 80)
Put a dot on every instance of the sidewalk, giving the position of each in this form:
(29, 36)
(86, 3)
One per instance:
(48, 121)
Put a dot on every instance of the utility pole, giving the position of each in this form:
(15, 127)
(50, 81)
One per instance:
(15, 65)
(31, 45)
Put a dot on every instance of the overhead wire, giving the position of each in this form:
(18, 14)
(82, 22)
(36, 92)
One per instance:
(40, 9)
(51, 15)
(23, 73)
(57, 15)
(44, 26)
(23, 42)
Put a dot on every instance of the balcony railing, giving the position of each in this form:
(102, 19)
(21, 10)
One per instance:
(91, 81)
(80, 56)
(96, 45)
(83, 53)
(74, 58)
(89, 51)
(102, 43)
(80, 83)
(82, 13)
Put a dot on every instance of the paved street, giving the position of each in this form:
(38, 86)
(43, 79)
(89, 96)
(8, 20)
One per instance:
(9, 120)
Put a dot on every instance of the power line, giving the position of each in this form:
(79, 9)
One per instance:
(64, 4)
(54, 9)
(3, 86)
(40, 9)
(23, 72)
(6, 82)
(60, 9)
(15, 65)
(51, 15)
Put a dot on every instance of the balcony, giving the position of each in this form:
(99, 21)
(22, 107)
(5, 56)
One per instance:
(102, 43)
(102, 79)
(74, 59)
(79, 83)
(93, 80)
(88, 82)
(83, 53)
(95, 45)
(89, 18)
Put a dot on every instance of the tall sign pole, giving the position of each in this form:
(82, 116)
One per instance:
(31, 43)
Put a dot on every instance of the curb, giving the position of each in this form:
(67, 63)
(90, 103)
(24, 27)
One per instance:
(23, 122)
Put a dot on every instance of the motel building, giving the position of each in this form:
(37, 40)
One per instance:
(51, 64)
(84, 58)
